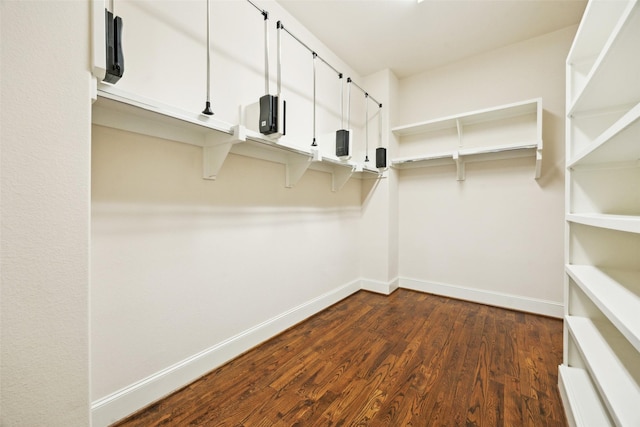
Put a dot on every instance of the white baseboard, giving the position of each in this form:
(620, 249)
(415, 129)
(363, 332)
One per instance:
(498, 299)
(126, 401)
(385, 288)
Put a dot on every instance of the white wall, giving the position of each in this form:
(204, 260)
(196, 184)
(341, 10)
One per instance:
(379, 224)
(45, 137)
(188, 273)
(181, 264)
(498, 233)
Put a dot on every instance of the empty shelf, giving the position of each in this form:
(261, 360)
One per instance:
(629, 223)
(609, 368)
(581, 398)
(616, 293)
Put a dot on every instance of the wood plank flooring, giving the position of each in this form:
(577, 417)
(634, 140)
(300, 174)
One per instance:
(408, 359)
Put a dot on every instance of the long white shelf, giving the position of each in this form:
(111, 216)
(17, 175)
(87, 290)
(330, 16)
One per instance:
(616, 293)
(480, 135)
(437, 159)
(114, 108)
(467, 155)
(117, 109)
(612, 80)
(505, 151)
(479, 116)
(628, 223)
(608, 367)
(578, 392)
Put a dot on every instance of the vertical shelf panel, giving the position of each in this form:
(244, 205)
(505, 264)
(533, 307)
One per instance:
(600, 375)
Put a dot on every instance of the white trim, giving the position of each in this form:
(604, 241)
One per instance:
(499, 299)
(385, 288)
(126, 401)
(121, 403)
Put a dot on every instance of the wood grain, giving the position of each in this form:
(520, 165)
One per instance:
(408, 359)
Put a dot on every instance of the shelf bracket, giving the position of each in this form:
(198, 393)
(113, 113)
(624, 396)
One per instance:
(459, 127)
(295, 167)
(538, 164)
(215, 152)
(459, 166)
(340, 176)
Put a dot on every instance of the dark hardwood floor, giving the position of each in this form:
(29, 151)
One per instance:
(408, 359)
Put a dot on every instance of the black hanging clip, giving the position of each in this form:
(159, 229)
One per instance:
(115, 58)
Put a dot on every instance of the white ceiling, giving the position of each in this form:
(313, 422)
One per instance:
(410, 37)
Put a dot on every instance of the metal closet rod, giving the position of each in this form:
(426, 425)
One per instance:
(366, 94)
(262, 11)
(313, 52)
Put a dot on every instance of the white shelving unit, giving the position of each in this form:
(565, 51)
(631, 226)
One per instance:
(116, 109)
(503, 132)
(600, 376)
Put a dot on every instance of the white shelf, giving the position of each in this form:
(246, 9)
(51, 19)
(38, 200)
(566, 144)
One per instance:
(115, 109)
(470, 137)
(608, 367)
(120, 110)
(598, 22)
(462, 156)
(627, 223)
(618, 144)
(602, 330)
(616, 293)
(612, 80)
(473, 117)
(437, 159)
(579, 394)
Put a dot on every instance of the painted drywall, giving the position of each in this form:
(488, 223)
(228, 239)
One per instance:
(187, 273)
(45, 173)
(180, 264)
(379, 225)
(499, 232)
